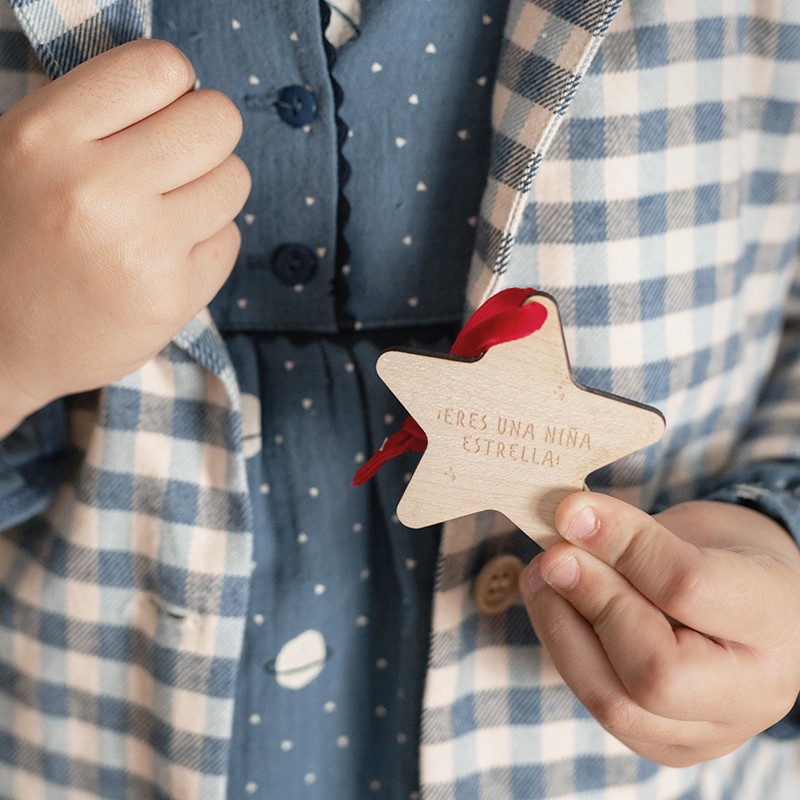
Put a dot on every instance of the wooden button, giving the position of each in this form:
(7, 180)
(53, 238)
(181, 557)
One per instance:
(497, 586)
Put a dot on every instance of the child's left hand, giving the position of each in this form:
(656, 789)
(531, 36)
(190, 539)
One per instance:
(680, 633)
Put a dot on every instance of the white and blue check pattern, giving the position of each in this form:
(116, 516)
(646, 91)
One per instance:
(122, 605)
(664, 216)
(65, 33)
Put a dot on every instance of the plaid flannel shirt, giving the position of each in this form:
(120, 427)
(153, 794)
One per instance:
(646, 172)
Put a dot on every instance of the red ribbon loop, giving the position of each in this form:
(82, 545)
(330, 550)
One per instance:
(504, 317)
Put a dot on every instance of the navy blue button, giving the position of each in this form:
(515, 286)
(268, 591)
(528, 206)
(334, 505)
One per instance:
(294, 263)
(296, 106)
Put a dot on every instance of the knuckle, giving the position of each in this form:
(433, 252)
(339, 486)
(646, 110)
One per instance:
(615, 712)
(785, 702)
(779, 694)
(239, 180)
(244, 178)
(218, 256)
(215, 261)
(29, 137)
(552, 629)
(658, 687)
(221, 112)
(235, 244)
(81, 213)
(608, 615)
(226, 256)
(165, 64)
(636, 549)
(678, 756)
(684, 590)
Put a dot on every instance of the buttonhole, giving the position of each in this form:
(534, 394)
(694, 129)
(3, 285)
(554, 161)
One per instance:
(168, 609)
(260, 102)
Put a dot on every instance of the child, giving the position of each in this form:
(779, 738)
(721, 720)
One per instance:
(193, 602)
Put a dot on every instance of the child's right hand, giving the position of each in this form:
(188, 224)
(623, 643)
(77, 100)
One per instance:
(118, 190)
(679, 632)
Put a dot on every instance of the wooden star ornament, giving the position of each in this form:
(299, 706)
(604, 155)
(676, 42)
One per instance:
(509, 431)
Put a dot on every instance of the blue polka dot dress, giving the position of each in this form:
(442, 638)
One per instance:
(368, 149)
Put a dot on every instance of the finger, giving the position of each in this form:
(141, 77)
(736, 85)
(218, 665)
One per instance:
(581, 661)
(708, 589)
(179, 143)
(205, 206)
(209, 264)
(112, 91)
(676, 673)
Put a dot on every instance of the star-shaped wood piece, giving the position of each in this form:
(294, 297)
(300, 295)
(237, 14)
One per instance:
(509, 431)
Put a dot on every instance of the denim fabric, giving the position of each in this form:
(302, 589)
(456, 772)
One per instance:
(124, 604)
(332, 567)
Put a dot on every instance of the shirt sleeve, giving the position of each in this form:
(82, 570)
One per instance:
(32, 459)
(765, 475)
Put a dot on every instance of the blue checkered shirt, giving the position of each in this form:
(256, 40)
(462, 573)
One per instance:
(645, 171)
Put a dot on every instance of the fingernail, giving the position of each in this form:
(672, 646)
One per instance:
(583, 524)
(563, 575)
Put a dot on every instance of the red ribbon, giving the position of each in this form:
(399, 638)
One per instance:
(502, 318)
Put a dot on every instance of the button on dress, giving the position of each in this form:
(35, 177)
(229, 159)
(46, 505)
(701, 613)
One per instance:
(368, 163)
